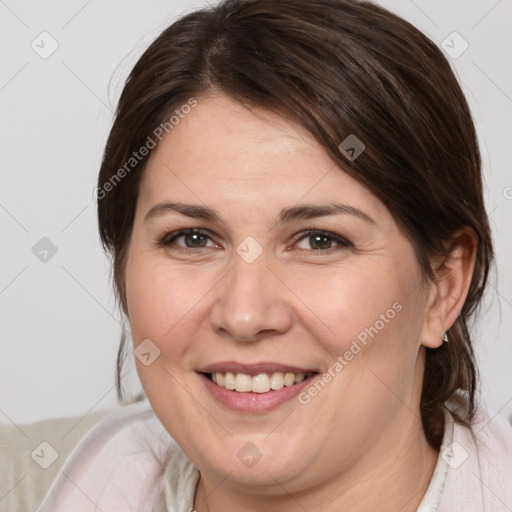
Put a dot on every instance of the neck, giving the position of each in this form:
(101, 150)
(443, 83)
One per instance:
(395, 476)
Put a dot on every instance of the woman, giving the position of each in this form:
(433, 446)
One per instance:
(291, 193)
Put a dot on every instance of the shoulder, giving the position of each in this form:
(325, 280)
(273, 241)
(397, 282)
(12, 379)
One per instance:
(117, 465)
(31, 455)
(480, 465)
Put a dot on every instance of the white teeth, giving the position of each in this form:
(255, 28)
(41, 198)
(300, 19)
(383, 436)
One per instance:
(277, 380)
(261, 383)
(229, 380)
(289, 379)
(243, 382)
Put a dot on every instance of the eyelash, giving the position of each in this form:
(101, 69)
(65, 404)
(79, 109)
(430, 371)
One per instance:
(167, 240)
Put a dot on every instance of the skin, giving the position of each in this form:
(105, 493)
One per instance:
(358, 444)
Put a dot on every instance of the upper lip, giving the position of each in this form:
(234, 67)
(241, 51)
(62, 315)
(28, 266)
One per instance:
(252, 369)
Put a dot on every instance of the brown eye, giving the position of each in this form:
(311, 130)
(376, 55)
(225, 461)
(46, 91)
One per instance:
(321, 241)
(187, 239)
(194, 240)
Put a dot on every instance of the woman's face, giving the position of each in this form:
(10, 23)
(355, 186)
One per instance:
(290, 267)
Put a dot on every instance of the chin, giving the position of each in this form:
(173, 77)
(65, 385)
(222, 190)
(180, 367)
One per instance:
(254, 464)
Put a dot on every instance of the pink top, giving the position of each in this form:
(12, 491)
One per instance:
(129, 463)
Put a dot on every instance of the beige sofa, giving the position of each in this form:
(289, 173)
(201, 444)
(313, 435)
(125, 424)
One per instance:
(31, 455)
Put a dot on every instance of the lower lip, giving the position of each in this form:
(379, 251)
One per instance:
(254, 402)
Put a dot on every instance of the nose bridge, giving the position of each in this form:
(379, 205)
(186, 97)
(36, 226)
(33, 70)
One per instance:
(250, 301)
(249, 279)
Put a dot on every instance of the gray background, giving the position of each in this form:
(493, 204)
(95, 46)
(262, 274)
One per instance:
(59, 329)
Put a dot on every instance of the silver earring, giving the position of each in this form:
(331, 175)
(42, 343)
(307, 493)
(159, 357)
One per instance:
(445, 337)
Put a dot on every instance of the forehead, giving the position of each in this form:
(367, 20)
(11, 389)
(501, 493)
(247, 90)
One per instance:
(221, 134)
(224, 153)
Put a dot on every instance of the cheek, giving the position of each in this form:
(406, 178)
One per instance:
(367, 319)
(356, 304)
(162, 307)
(168, 305)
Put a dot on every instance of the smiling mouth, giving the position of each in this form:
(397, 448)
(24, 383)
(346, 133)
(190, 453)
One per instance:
(260, 383)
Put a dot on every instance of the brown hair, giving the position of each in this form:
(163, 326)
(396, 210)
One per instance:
(336, 67)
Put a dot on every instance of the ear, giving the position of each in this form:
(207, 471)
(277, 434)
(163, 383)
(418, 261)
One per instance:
(448, 292)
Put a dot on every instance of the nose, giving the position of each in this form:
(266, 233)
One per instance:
(250, 302)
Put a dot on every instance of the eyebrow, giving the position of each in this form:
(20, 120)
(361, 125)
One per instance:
(310, 211)
(190, 210)
(287, 215)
